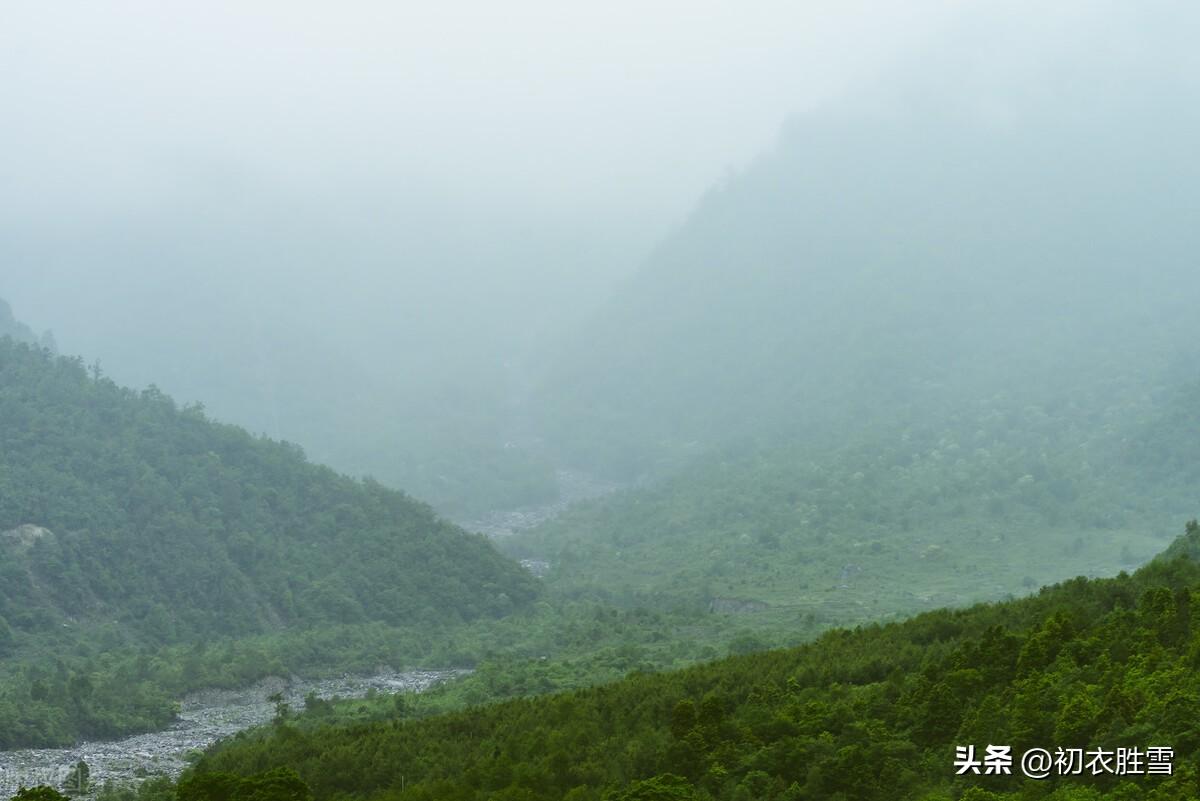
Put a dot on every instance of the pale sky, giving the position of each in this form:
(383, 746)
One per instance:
(558, 108)
(396, 141)
(528, 107)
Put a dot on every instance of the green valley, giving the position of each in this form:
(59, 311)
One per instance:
(600, 402)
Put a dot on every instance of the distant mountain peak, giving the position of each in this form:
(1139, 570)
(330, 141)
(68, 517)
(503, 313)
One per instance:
(10, 326)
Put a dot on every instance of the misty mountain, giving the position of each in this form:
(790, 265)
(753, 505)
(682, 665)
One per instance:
(896, 259)
(131, 522)
(391, 334)
(916, 353)
(12, 327)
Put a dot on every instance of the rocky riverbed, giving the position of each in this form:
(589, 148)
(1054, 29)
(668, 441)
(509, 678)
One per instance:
(573, 486)
(204, 718)
(207, 716)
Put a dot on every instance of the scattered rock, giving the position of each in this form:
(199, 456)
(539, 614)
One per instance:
(572, 486)
(204, 718)
(848, 571)
(538, 567)
(21, 539)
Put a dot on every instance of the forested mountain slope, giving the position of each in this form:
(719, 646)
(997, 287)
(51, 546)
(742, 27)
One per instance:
(905, 259)
(863, 714)
(999, 497)
(129, 522)
(918, 355)
(390, 344)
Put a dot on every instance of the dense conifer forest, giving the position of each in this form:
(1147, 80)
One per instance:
(869, 713)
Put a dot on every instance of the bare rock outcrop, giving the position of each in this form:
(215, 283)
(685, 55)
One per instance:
(20, 539)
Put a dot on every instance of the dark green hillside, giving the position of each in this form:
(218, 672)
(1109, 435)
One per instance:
(129, 522)
(859, 715)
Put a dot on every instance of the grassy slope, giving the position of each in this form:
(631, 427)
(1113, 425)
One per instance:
(894, 520)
